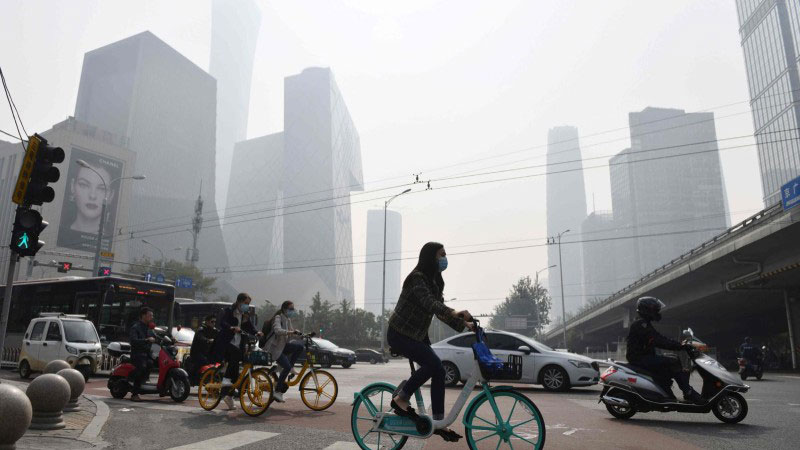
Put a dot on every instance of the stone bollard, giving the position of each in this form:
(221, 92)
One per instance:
(55, 365)
(76, 386)
(16, 412)
(48, 393)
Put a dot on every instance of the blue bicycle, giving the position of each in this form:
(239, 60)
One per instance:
(498, 417)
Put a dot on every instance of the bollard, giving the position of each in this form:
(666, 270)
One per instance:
(16, 411)
(55, 365)
(48, 393)
(76, 386)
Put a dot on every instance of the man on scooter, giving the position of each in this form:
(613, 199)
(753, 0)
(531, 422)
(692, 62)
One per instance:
(141, 339)
(643, 340)
(750, 352)
(202, 344)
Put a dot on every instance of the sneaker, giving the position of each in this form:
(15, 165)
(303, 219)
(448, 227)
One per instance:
(693, 397)
(226, 382)
(292, 374)
(136, 398)
(229, 402)
(278, 396)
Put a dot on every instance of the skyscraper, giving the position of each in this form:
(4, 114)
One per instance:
(234, 35)
(566, 209)
(770, 32)
(144, 90)
(373, 270)
(600, 251)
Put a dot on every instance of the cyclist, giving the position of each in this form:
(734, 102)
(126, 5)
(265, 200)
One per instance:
(141, 337)
(277, 331)
(420, 299)
(229, 345)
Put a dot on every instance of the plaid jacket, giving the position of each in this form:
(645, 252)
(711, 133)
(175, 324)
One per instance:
(417, 305)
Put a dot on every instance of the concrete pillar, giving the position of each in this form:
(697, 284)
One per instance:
(76, 386)
(55, 365)
(792, 306)
(16, 413)
(48, 393)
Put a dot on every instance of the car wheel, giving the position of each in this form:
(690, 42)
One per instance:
(86, 371)
(373, 361)
(554, 378)
(326, 362)
(451, 374)
(24, 369)
(346, 365)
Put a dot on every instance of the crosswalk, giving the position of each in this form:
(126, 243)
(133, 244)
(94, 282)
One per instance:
(247, 437)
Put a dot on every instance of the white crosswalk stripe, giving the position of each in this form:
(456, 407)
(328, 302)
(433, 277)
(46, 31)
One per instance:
(229, 441)
(342, 445)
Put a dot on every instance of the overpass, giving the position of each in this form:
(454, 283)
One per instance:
(744, 281)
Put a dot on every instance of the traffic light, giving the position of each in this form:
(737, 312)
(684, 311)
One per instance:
(28, 224)
(104, 272)
(64, 267)
(43, 172)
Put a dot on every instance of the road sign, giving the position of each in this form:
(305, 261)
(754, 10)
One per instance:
(107, 254)
(790, 194)
(160, 278)
(105, 271)
(184, 282)
(516, 323)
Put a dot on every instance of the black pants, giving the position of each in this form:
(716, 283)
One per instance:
(287, 359)
(233, 356)
(430, 368)
(666, 368)
(141, 371)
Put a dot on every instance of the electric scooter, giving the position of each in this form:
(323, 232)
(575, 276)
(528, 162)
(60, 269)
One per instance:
(172, 380)
(750, 368)
(628, 389)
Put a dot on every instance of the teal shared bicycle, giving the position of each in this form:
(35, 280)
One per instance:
(498, 417)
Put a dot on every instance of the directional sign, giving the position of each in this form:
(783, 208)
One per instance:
(790, 194)
(160, 278)
(184, 282)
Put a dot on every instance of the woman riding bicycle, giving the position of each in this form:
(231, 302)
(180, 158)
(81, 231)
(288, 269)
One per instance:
(229, 345)
(277, 331)
(421, 299)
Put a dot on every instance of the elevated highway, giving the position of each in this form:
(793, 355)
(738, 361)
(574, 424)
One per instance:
(743, 282)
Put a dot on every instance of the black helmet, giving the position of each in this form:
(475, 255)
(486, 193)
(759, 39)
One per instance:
(747, 339)
(649, 308)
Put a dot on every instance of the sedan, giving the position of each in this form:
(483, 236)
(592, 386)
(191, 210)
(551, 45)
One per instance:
(369, 355)
(326, 353)
(556, 371)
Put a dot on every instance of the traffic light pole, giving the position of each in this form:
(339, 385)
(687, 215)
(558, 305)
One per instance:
(12, 263)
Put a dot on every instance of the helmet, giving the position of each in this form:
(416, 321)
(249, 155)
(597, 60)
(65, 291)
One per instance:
(747, 340)
(649, 308)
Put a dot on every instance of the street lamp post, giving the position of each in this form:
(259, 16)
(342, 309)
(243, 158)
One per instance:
(383, 287)
(561, 275)
(159, 251)
(536, 303)
(99, 243)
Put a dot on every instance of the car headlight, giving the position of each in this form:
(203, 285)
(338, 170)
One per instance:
(72, 350)
(580, 364)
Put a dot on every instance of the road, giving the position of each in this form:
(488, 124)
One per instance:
(574, 420)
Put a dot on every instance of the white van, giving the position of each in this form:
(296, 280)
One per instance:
(54, 336)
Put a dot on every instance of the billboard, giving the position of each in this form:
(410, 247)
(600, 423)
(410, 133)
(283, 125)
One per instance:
(83, 200)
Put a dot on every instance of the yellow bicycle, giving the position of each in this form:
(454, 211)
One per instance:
(318, 388)
(254, 384)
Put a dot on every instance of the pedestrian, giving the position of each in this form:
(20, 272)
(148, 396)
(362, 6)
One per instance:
(140, 337)
(202, 343)
(229, 345)
(277, 331)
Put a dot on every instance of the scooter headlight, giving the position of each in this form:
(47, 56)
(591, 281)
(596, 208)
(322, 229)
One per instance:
(72, 350)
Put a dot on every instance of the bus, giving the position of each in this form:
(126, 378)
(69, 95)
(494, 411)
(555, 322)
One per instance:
(111, 303)
(189, 313)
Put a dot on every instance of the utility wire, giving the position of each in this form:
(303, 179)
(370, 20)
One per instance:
(12, 107)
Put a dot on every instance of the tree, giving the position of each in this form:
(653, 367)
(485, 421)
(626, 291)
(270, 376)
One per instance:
(321, 317)
(527, 299)
(265, 312)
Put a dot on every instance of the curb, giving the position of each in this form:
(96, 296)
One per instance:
(92, 431)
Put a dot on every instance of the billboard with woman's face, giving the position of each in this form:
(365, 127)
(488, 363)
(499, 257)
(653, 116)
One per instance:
(83, 200)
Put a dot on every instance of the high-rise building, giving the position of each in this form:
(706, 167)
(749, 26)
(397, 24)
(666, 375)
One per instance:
(566, 210)
(144, 90)
(600, 251)
(373, 270)
(770, 32)
(234, 35)
(667, 189)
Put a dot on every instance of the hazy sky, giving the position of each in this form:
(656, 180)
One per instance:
(434, 84)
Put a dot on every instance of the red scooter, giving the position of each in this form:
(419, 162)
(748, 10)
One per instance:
(172, 380)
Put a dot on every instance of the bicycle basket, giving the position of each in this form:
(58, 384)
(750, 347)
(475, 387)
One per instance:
(258, 358)
(492, 367)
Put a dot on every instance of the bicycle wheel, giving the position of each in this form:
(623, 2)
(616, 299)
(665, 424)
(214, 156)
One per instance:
(255, 394)
(376, 399)
(521, 424)
(318, 389)
(208, 390)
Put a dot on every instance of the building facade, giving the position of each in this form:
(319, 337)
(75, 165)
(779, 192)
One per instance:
(566, 210)
(600, 250)
(373, 269)
(234, 36)
(770, 33)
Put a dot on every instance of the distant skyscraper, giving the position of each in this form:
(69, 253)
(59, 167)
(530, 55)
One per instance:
(144, 90)
(234, 35)
(770, 32)
(566, 209)
(664, 191)
(600, 252)
(373, 270)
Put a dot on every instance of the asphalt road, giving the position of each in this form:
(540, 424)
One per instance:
(574, 420)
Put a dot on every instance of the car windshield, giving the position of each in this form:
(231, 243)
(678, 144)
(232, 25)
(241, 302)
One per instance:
(328, 345)
(80, 331)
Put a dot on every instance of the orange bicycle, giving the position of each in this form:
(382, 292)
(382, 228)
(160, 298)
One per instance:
(318, 388)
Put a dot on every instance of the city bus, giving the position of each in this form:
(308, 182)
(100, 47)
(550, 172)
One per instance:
(190, 313)
(111, 303)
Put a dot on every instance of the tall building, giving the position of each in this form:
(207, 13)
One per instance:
(144, 90)
(566, 209)
(770, 32)
(600, 251)
(667, 190)
(373, 282)
(234, 35)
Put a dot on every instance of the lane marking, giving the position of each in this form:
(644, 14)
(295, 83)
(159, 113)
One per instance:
(229, 441)
(342, 445)
(789, 376)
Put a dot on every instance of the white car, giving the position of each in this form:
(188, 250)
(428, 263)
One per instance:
(556, 371)
(69, 337)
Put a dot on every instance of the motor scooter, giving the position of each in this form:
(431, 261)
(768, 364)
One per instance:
(172, 380)
(628, 389)
(750, 368)
(195, 372)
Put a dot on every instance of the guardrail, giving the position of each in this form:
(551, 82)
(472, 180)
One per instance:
(10, 356)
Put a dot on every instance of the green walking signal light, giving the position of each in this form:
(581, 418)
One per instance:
(28, 224)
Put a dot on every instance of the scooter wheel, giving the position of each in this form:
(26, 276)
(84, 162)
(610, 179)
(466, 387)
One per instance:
(743, 376)
(179, 389)
(731, 407)
(118, 387)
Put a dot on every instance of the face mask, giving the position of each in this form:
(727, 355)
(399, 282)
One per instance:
(291, 313)
(244, 307)
(442, 263)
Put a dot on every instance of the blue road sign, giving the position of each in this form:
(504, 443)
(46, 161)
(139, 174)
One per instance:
(148, 276)
(160, 278)
(184, 282)
(790, 194)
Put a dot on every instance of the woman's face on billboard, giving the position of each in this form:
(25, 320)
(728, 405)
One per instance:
(88, 191)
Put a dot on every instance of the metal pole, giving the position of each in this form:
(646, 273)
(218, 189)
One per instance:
(12, 262)
(791, 330)
(383, 283)
(563, 308)
(99, 239)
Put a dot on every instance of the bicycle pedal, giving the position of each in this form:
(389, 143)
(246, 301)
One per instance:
(448, 435)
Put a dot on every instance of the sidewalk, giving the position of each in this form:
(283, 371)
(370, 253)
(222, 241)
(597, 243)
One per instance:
(82, 429)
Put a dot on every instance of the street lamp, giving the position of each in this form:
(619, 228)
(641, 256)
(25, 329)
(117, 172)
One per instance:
(561, 274)
(159, 251)
(383, 288)
(86, 165)
(535, 302)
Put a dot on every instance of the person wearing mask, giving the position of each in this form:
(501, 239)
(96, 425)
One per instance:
(277, 331)
(643, 340)
(420, 299)
(140, 337)
(229, 345)
(200, 352)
